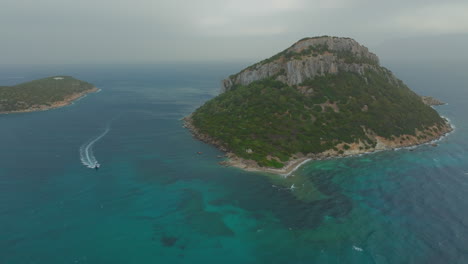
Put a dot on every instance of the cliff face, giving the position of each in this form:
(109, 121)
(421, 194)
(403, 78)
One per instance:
(307, 59)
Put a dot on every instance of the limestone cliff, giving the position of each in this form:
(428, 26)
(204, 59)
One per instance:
(308, 58)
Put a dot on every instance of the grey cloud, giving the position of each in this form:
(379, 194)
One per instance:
(105, 31)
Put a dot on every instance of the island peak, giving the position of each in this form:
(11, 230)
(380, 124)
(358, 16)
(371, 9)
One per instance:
(322, 97)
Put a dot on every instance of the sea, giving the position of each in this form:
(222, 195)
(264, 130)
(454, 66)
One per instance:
(160, 196)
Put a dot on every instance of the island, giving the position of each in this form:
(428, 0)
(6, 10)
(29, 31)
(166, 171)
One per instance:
(322, 97)
(43, 94)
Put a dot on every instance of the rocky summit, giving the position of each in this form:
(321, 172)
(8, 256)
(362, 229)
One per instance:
(322, 97)
(308, 58)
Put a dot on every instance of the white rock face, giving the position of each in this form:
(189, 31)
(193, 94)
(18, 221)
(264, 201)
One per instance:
(336, 44)
(296, 69)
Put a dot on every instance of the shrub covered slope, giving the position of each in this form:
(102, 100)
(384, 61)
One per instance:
(43, 92)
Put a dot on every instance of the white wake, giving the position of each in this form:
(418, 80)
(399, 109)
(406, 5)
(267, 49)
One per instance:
(86, 151)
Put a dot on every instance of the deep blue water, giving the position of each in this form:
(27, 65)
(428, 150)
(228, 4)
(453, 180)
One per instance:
(155, 200)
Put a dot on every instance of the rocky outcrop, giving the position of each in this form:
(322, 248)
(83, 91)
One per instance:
(431, 101)
(308, 58)
(336, 44)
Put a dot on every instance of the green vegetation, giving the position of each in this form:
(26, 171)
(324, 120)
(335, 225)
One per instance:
(276, 121)
(43, 92)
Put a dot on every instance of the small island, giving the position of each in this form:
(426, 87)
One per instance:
(43, 94)
(322, 97)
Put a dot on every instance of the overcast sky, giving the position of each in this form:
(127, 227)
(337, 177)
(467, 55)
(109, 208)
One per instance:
(152, 31)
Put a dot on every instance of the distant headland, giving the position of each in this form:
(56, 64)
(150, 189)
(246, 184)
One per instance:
(322, 97)
(43, 94)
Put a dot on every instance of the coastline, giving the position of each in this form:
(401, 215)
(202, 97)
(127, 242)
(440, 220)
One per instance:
(296, 161)
(67, 101)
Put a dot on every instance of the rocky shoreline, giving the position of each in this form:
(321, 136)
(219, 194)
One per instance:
(404, 141)
(67, 101)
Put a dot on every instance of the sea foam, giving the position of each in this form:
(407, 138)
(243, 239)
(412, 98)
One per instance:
(86, 150)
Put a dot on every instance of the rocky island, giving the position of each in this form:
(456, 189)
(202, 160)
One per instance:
(322, 97)
(43, 94)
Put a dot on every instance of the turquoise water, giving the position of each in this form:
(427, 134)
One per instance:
(154, 200)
